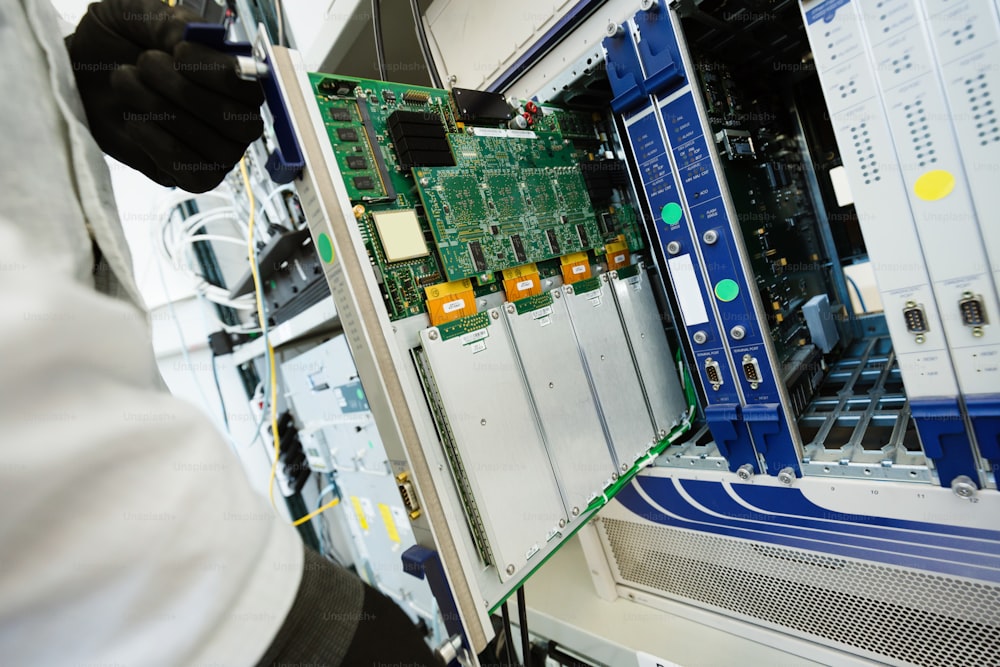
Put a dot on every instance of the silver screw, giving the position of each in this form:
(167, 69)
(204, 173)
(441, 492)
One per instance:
(557, 294)
(511, 308)
(745, 472)
(919, 339)
(624, 467)
(569, 289)
(424, 181)
(673, 247)
(786, 476)
(575, 511)
(482, 422)
(710, 237)
(613, 30)
(433, 334)
(648, 5)
(738, 332)
(495, 315)
(511, 569)
(614, 476)
(699, 337)
(963, 486)
(562, 523)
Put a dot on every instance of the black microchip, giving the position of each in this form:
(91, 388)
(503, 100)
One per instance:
(347, 134)
(494, 229)
(338, 114)
(420, 139)
(480, 106)
(356, 162)
(518, 244)
(364, 183)
(478, 258)
(338, 87)
(550, 234)
(388, 96)
(581, 231)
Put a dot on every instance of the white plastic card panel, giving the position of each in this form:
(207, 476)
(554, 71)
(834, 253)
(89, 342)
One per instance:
(653, 359)
(611, 371)
(928, 158)
(966, 37)
(863, 134)
(561, 394)
(479, 380)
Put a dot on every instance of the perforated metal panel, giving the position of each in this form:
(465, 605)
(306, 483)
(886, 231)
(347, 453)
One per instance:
(902, 616)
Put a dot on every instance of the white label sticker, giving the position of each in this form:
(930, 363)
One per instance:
(521, 134)
(525, 284)
(685, 280)
(581, 268)
(489, 132)
(452, 306)
(478, 347)
(544, 321)
(620, 259)
(542, 313)
(474, 336)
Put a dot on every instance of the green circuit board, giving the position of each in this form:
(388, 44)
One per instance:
(507, 202)
(509, 199)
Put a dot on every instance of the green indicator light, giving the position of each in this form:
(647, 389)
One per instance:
(672, 213)
(325, 248)
(727, 290)
(361, 394)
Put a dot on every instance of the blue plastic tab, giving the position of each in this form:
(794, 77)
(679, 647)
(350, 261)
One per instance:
(424, 563)
(984, 411)
(624, 72)
(286, 162)
(770, 434)
(731, 435)
(658, 51)
(943, 435)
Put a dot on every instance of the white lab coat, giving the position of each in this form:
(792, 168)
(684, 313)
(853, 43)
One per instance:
(128, 533)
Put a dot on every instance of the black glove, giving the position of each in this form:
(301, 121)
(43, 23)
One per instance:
(174, 110)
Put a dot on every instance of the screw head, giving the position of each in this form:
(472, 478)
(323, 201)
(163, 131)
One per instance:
(495, 315)
(738, 332)
(745, 472)
(613, 30)
(977, 332)
(710, 237)
(786, 476)
(511, 308)
(699, 337)
(511, 569)
(648, 5)
(562, 523)
(432, 334)
(575, 511)
(673, 247)
(964, 487)
(557, 294)
(919, 339)
(624, 467)
(569, 289)
(482, 422)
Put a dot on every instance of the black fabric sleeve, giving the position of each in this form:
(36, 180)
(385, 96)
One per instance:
(338, 620)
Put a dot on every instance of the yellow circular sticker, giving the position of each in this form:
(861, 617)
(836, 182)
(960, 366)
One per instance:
(934, 185)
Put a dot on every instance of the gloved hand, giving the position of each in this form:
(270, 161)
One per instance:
(174, 110)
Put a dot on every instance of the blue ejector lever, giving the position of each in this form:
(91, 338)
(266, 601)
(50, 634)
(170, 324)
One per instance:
(285, 163)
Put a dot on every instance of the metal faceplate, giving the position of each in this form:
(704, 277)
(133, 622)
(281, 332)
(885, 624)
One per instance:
(653, 359)
(557, 381)
(610, 370)
(479, 382)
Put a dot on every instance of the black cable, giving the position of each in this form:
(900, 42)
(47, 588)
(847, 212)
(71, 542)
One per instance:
(379, 43)
(425, 46)
(218, 390)
(508, 634)
(522, 619)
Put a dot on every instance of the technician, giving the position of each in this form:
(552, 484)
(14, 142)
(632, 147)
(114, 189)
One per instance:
(128, 532)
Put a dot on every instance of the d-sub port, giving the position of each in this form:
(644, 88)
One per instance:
(751, 371)
(973, 310)
(916, 319)
(408, 494)
(713, 373)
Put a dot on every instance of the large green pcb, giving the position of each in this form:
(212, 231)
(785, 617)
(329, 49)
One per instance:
(507, 202)
(510, 199)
